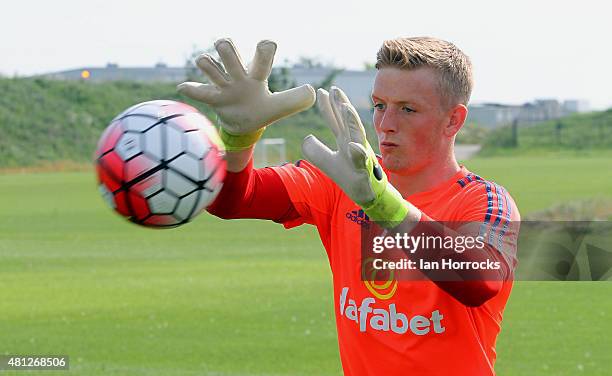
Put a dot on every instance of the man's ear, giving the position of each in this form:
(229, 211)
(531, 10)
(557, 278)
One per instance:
(457, 116)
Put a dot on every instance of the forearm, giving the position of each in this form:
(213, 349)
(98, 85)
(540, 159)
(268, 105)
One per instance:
(238, 160)
(253, 193)
(471, 286)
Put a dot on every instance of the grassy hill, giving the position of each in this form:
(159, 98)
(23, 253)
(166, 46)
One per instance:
(576, 133)
(45, 121)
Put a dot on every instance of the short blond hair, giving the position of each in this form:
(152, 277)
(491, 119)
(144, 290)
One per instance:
(453, 66)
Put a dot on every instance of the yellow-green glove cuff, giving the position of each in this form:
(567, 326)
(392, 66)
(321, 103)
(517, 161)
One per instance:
(240, 142)
(389, 209)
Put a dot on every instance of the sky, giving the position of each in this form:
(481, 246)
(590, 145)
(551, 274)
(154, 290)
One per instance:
(521, 50)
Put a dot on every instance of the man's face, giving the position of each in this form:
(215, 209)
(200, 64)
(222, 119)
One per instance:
(409, 118)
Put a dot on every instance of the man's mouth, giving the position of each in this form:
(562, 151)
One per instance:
(387, 145)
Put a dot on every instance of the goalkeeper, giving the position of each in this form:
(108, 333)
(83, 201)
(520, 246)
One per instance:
(420, 94)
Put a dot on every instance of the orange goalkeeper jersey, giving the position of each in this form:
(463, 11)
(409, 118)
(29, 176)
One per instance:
(405, 327)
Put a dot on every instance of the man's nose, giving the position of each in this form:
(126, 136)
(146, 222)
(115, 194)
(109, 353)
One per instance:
(388, 123)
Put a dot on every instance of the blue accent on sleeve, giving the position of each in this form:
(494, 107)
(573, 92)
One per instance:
(507, 219)
(499, 216)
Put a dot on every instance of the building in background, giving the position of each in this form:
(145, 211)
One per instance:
(574, 105)
(160, 72)
(356, 84)
(492, 115)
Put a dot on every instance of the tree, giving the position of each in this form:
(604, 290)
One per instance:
(309, 62)
(369, 66)
(192, 72)
(329, 79)
(281, 79)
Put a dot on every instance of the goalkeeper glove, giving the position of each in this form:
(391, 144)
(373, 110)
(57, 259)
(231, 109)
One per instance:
(241, 98)
(354, 166)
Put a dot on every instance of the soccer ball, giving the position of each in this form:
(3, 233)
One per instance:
(160, 163)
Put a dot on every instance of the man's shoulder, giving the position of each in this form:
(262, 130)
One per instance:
(475, 190)
(474, 184)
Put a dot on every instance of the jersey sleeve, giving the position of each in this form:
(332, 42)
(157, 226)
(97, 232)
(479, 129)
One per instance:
(253, 193)
(312, 193)
(489, 211)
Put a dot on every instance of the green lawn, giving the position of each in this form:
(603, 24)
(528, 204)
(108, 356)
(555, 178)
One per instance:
(120, 300)
(537, 182)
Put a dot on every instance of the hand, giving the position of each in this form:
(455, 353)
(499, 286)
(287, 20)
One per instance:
(242, 99)
(354, 166)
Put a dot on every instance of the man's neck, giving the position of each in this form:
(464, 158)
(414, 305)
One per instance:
(425, 179)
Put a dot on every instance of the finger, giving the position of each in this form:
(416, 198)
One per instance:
(261, 66)
(212, 69)
(201, 92)
(339, 95)
(358, 155)
(326, 112)
(351, 120)
(336, 97)
(230, 58)
(294, 100)
(318, 154)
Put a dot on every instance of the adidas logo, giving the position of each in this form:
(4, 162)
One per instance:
(359, 217)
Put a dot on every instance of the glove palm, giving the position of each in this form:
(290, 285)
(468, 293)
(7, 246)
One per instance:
(242, 99)
(353, 166)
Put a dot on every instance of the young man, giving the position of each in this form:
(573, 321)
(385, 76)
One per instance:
(434, 326)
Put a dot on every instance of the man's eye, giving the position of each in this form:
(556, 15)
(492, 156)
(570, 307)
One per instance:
(379, 106)
(407, 109)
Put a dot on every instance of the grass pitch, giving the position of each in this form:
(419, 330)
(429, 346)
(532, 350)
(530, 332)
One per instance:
(244, 297)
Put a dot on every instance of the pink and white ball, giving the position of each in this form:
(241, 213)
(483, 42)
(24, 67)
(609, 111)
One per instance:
(160, 163)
